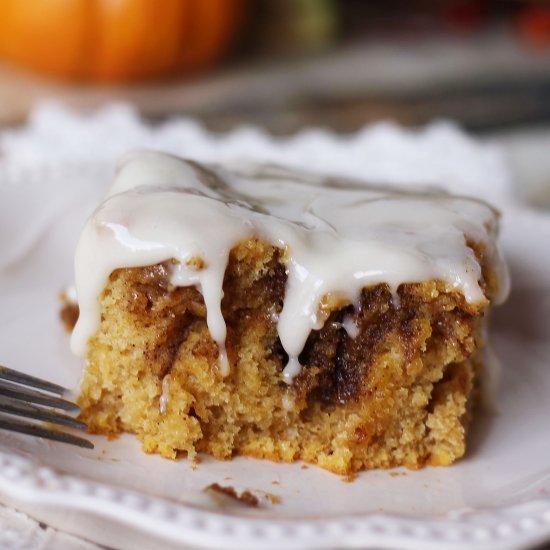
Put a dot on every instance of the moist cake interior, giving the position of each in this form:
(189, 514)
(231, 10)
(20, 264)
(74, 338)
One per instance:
(399, 392)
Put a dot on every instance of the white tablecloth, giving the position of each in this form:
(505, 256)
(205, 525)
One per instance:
(19, 532)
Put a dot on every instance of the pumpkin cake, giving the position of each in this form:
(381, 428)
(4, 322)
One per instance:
(259, 311)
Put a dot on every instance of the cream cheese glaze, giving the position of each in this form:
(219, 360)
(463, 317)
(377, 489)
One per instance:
(338, 235)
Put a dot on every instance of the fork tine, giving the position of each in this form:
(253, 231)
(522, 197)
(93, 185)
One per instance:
(38, 431)
(18, 392)
(32, 381)
(20, 408)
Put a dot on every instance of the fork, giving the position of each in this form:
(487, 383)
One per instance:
(22, 395)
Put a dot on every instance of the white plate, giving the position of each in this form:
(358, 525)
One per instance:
(497, 497)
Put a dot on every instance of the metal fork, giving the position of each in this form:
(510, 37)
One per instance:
(42, 403)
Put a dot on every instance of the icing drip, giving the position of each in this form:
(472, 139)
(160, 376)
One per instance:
(163, 402)
(338, 236)
(350, 327)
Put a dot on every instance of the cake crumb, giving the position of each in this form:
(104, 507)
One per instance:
(68, 314)
(274, 499)
(246, 497)
(349, 478)
(196, 263)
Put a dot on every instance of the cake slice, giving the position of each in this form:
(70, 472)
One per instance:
(259, 311)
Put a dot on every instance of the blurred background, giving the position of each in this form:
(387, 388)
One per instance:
(283, 64)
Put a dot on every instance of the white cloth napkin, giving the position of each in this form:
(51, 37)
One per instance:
(438, 154)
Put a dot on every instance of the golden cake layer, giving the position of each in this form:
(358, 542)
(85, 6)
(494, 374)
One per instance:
(398, 392)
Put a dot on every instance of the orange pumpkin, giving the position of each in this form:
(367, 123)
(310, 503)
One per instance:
(117, 40)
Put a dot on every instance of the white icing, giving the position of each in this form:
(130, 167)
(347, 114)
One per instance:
(350, 327)
(348, 324)
(338, 235)
(288, 402)
(396, 300)
(273, 314)
(165, 395)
